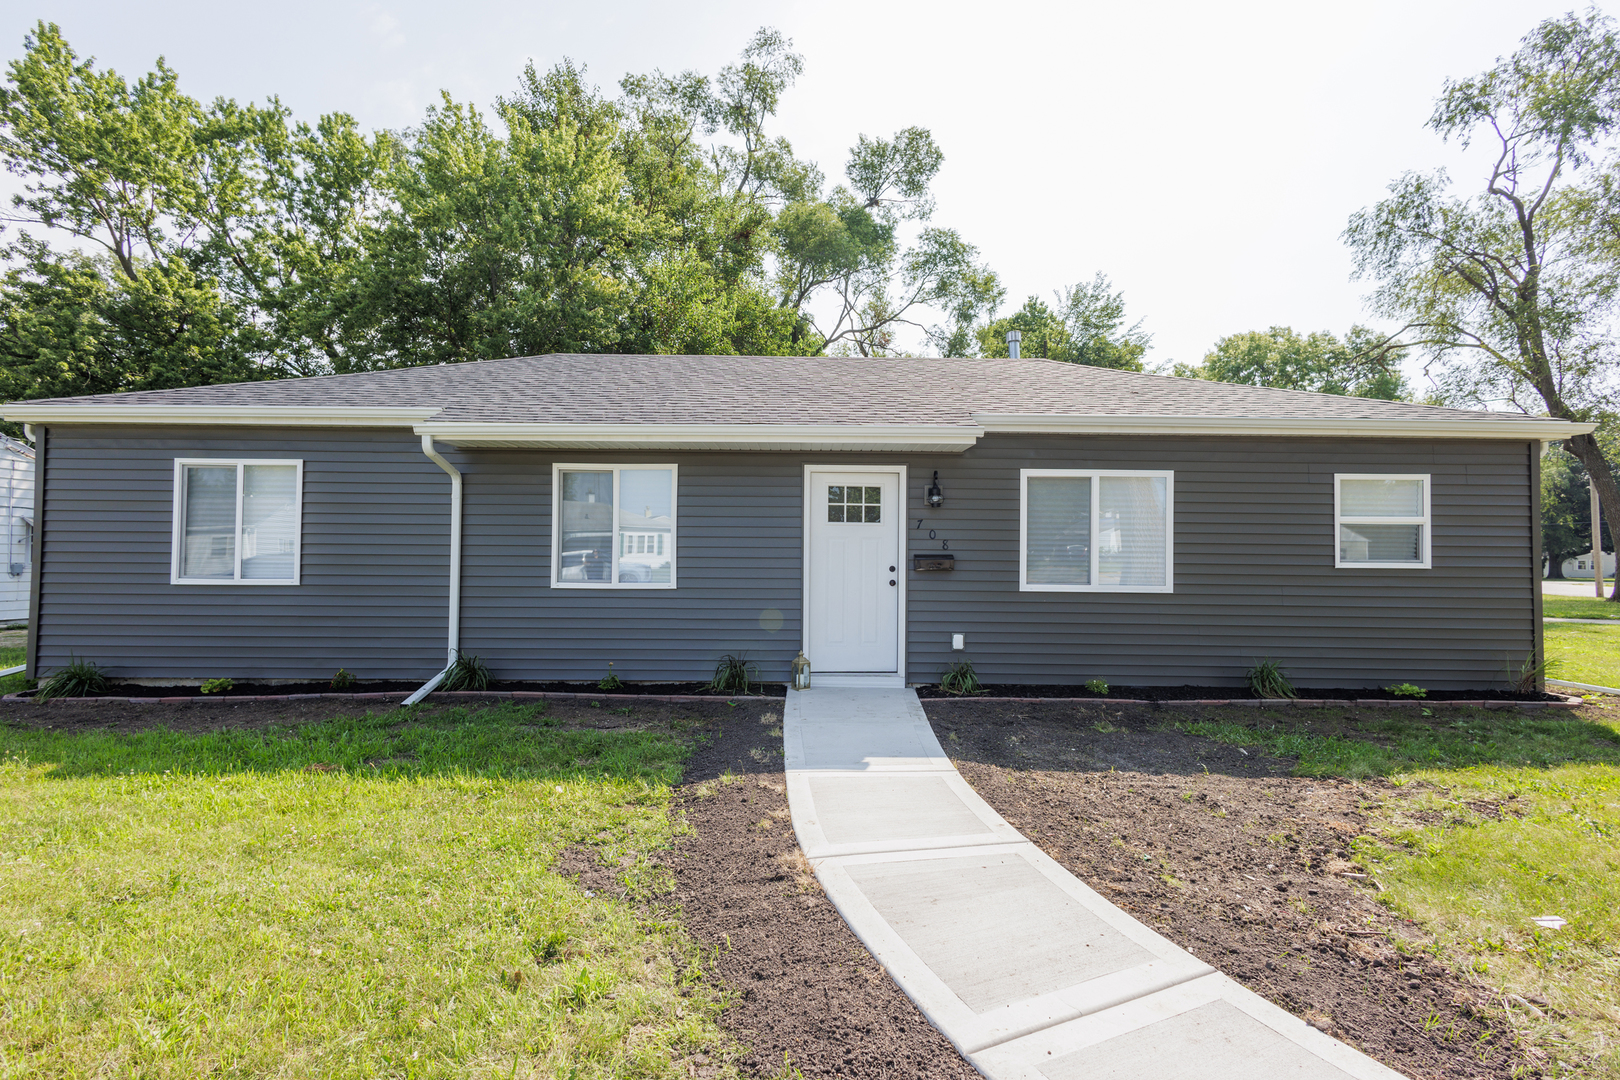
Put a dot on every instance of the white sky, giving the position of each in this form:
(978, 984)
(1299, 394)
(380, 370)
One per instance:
(1204, 156)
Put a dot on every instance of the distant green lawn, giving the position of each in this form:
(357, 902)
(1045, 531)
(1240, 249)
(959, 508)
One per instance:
(11, 658)
(362, 897)
(1587, 653)
(1512, 815)
(1579, 607)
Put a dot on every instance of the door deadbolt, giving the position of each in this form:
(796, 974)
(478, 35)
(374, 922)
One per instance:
(891, 581)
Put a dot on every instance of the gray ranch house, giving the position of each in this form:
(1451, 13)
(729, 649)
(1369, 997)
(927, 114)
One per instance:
(1054, 523)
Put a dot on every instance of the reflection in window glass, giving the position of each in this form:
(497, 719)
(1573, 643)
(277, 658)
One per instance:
(1058, 520)
(1381, 498)
(208, 543)
(646, 522)
(1367, 543)
(586, 531)
(1131, 534)
(269, 521)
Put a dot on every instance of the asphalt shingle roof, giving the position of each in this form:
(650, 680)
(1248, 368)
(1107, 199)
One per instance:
(627, 389)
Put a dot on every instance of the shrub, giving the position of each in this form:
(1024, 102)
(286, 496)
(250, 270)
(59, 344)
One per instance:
(610, 682)
(960, 678)
(466, 673)
(343, 680)
(1267, 680)
(1531, 676)
(734, 674)
(80, 678)
(1097, 686)
(217, 686)
(1406, 689)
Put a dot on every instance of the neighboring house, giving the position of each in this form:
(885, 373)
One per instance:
(1580, 566)
(659, 511)
(17, 479)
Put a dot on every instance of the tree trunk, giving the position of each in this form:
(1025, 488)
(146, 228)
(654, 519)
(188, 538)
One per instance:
(1585, 448)
(1555, 567)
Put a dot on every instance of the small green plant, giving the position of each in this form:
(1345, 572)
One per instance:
(960, 678)
(343, 680)
(1406, 689)
(217, 686)
(610, 682)
(1267, 680)
(467, 673)
(1097, 686)
(1531, 676)
(734, 675)
(80, 678)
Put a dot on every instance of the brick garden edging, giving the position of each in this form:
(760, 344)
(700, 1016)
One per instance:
(540, 695)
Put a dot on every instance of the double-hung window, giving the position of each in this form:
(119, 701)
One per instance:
(1095, 530)
(1381, 520)
(613, 527)
(237, 522)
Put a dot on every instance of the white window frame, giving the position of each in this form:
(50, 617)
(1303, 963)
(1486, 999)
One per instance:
(1095, 475)
(177, 540)
(557, 469)
(1426, 521)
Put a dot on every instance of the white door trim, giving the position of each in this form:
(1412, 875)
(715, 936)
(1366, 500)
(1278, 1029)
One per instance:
(898, 678)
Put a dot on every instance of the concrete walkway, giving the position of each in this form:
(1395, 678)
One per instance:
(1029, 972)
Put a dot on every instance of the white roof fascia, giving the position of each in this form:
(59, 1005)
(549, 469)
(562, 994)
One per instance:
(343, 416)
(1509, 427)
(931, 438)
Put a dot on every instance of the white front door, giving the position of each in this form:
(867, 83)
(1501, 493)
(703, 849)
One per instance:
(854, 573)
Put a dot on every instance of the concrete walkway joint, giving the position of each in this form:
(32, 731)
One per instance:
(1031, 974)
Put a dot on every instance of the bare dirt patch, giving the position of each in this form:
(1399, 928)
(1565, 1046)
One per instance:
(1230, 857)
(807, 991)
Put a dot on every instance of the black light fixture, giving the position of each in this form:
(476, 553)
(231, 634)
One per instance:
(936, 498)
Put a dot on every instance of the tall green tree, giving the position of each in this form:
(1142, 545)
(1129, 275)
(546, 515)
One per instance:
(1511, 290)
(1566, 510)
(1359, 366)
(1087, 326)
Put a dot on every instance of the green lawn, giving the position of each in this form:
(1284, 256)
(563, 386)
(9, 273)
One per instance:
(1578, 607)
(362, 897)
(11, 658)
(1587, 653)
(1510, 816)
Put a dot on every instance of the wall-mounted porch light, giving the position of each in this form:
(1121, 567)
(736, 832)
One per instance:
(936, 498)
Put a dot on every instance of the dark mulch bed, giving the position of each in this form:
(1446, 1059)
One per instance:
(1236, 861)
(1229, 693)
(384, 686)
(807, 989)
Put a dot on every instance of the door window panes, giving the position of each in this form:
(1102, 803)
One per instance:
(849, 503)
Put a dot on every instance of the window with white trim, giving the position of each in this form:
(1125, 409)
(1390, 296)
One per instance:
(237, 521)
(1381, 520)
(1096, 530)
(613, 527)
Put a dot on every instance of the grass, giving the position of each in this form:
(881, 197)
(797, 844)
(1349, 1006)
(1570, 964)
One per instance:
(11, 658)
(1590, 654)
(359, 897)
(1578, 607)
(1505, 816)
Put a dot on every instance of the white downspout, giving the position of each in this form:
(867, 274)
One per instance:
(455, 570)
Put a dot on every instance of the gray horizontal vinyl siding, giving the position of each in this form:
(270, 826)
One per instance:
(372, 598)
(1254, 574)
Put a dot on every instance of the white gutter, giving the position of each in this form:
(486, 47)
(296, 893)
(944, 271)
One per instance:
(1509, 427)
(328, 416)
(941, 438)
(454, 635)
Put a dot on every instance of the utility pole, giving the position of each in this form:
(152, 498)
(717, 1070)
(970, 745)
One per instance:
(1597, 543)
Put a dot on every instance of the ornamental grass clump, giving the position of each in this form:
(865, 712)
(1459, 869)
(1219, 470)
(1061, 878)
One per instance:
(734, 675)
(960, 678)
(1267, 680)
(467, 673)
(80, 678)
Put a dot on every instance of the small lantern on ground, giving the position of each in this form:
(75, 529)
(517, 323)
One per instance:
(801, 672)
